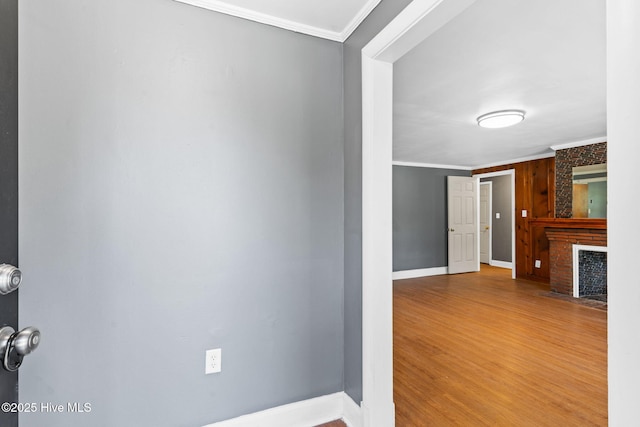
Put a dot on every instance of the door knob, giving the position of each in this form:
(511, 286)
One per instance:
(10, 278)
(26, 340)
(15, 345)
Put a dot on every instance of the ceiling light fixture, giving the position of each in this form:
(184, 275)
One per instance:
(500, 119)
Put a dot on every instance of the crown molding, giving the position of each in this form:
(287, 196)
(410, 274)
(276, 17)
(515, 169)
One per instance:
(431, 165)
(507, 162)
(518, 160)
(470, 168)
(357, 20)
(579, 143)
(263, 18)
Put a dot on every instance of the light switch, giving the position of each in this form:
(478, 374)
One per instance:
(497, 215)
(537, 263)
(524, 213)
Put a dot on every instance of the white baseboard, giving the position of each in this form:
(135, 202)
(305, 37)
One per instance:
(423, 272)
(501, 264)
(352, 413)
(306, 413)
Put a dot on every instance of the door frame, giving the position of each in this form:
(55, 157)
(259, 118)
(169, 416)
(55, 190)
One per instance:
(9, 33)
(512, 173)
(490, 216)
(416, 22)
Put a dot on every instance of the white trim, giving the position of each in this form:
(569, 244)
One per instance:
(513, 223)
(623, 129)
(377, 298)
(357, 20)
(511, 172)
(351, 412)
(518, 160)
(477, 223)
(421, 272)
(490, 184)
(466, 168)
(576, 262)
(579, 143)
(287, 24)
(494, 174)
(588, 180)
(501, 264)
(431, 165)
(263, 18)
(417, 21)
(305, 413)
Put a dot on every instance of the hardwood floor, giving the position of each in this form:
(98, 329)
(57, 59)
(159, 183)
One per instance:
(483, 349)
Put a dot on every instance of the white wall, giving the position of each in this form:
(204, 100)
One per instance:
(623, 150)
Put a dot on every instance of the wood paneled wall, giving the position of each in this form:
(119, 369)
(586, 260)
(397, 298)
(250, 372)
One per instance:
(535, 192)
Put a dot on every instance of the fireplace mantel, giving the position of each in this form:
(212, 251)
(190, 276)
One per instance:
(563, 233)
(578, 223)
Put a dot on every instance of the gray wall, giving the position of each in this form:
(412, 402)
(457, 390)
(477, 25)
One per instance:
(598, 199)
(501, 234)
(376, 21)
(181, 188)
(420, 217)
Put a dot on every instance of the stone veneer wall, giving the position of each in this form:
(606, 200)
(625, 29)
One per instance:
(566, 160)
(592, 271)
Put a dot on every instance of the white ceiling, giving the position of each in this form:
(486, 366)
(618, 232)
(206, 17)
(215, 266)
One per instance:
(546, 57)
(329, 19)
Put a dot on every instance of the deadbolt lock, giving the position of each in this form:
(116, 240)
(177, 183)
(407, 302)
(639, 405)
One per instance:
(10, 278)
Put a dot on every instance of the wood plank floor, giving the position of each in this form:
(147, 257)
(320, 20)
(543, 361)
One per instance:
(482, 349)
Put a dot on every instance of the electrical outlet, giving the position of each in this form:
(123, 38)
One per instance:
(497, 215)
(537, 263)
(213, 361)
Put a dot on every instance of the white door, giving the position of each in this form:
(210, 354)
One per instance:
(485, 221)
(464, 245)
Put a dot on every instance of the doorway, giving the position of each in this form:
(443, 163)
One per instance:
(408, 29)
(486, 190)
(503, 220)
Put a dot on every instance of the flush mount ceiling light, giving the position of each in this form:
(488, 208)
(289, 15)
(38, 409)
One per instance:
(500, 119)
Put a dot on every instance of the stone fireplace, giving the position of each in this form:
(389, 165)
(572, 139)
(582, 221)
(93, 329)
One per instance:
(590, 272)
(566, 160)
(577, 246)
